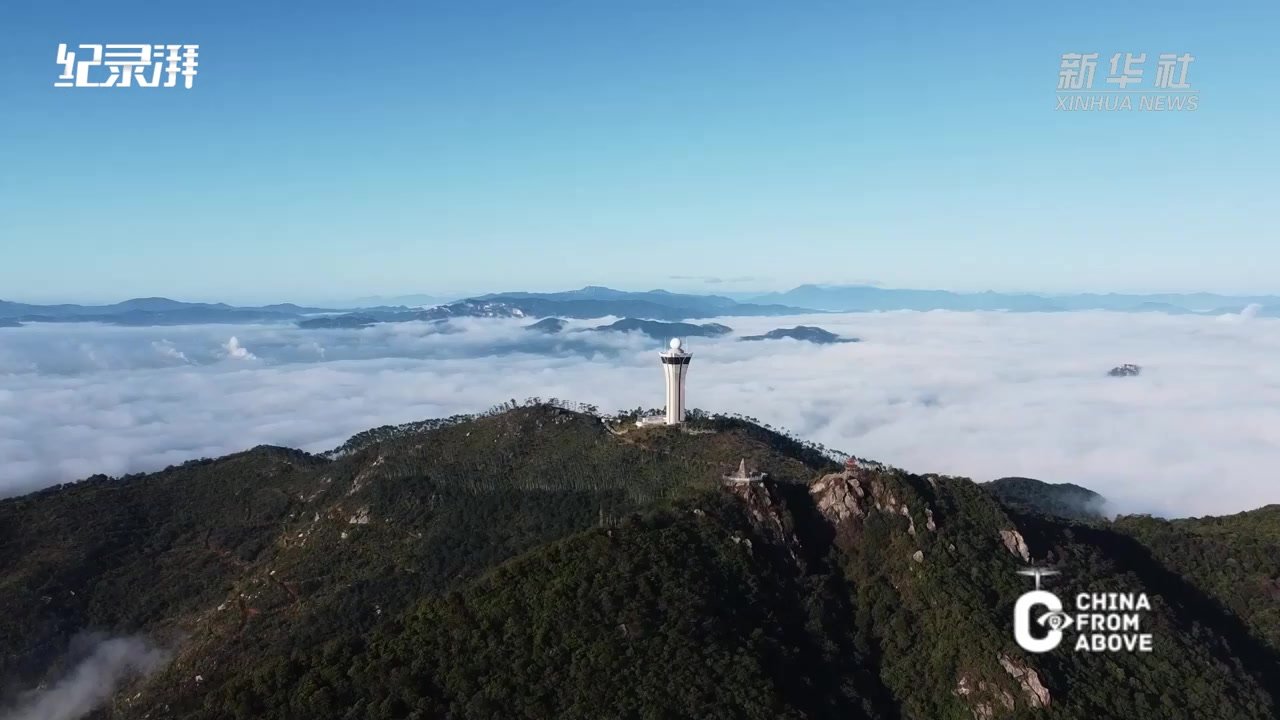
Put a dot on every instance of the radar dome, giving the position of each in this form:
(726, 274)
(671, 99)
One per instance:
(675, 343)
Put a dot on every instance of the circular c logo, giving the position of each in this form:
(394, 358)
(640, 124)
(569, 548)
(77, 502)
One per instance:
(1022, 612)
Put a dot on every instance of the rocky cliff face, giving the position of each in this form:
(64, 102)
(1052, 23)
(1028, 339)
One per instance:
(1015, 543)
(847, 499)
(766, 505)
(887, 533)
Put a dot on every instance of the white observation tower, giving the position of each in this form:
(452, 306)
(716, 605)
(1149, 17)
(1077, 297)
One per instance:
(675, 365)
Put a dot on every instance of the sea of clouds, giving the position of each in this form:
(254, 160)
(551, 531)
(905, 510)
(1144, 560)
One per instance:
(983, 395)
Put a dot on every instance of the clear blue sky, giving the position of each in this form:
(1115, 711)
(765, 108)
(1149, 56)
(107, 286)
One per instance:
(338, 149)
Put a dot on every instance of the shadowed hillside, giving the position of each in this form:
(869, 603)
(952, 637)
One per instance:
(540, 562)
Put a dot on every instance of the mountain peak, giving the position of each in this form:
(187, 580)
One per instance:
(397, 574)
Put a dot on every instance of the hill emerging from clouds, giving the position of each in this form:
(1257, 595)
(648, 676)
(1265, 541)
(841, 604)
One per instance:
(995, 394)
(805, 333)
(541, 562)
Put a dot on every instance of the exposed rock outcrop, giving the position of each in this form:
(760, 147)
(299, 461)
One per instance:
(768, 513)
(839, 496)
(855, 492)
(1037, 694)
(989, 701)
(986, 698)
(911, 523)
(846, 499)
(1016, 544)
(368, 472)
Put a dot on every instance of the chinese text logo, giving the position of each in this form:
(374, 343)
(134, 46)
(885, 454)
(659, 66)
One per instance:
(1103, 622)
(127, 65)
(1169, 88)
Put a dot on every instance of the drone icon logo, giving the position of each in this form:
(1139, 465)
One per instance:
(1099, 621)
(1053, 618)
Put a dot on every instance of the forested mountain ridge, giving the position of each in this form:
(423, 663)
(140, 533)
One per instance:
(540, 562)
(1062, 500)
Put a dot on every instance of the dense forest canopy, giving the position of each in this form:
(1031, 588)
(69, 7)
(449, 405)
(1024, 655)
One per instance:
(540, 560)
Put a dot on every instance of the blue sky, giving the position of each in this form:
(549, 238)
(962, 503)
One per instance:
(348, 149)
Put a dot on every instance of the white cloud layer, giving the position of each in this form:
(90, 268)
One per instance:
(104, 663)
(978, 394)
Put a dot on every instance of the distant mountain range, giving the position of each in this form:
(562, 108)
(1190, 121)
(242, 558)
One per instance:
(158, 311)
(587, 303)
(594, 302)
(853, 298)
(597, 302)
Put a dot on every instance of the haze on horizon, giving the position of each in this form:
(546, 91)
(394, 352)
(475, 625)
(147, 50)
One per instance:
(708, 285)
